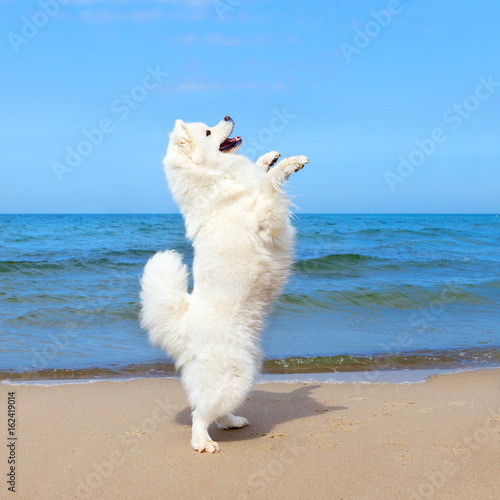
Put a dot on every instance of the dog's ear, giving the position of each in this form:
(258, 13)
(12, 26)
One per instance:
(185, 144)
(181, 137)
(179, 125)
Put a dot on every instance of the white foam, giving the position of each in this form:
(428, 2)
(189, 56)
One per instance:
(366, 377)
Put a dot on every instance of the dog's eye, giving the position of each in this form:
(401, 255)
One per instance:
(208, 133)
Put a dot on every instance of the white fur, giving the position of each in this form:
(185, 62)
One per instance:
(238, 219)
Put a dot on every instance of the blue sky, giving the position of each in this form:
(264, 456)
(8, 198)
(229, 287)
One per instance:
(396, 103)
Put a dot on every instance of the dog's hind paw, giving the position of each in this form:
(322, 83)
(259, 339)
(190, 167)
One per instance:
(230, 421)
(208, 446)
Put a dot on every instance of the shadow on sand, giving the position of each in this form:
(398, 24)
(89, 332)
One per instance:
(265, 410)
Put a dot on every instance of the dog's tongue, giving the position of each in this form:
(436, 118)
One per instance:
(229, 141)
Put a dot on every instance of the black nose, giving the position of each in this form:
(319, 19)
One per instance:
(227, 118)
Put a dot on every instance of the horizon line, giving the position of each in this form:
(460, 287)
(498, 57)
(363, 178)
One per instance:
(294, 213)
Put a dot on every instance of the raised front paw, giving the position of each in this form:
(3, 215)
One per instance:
(285, 168)
(292, 164)
(268, 160)
(298, 162)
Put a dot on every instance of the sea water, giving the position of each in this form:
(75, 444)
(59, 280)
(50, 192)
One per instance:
(367, 292)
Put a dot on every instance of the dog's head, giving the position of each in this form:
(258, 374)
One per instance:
(199, 141)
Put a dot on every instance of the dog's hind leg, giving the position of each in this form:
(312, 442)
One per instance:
(230, 421)
(214, 390)
(200, 439)
(207, 409)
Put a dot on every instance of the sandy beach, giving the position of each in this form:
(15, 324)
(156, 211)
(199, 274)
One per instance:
(130, 440)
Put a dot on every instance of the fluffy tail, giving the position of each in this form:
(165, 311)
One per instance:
(164, 300)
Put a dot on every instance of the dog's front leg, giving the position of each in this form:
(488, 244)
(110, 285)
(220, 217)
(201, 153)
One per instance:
(265, 162)
(272, 207)
(285, 168)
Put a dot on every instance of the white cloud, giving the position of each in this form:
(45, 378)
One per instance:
(196, 87)
(184, 3)
(190, 3)
(222, 40)
(188, 39)
(101, 16)
(203, 86)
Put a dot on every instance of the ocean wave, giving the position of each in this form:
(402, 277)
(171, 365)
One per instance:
(335, 261)
(392, 296)
(92, 373)
(388, 233)
(385, 361)
(339, 263)
(129, 252)
(86, 311)
(42, 266)
(417, 360)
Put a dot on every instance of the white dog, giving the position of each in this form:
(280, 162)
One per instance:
(238, 218)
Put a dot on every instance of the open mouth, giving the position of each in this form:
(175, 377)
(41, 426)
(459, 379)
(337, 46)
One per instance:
(230, 143)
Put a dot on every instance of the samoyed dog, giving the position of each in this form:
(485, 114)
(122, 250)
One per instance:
(238, 219)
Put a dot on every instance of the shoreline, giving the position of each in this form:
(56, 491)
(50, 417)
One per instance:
(343, 367)
(388, 376)
(436, 439)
